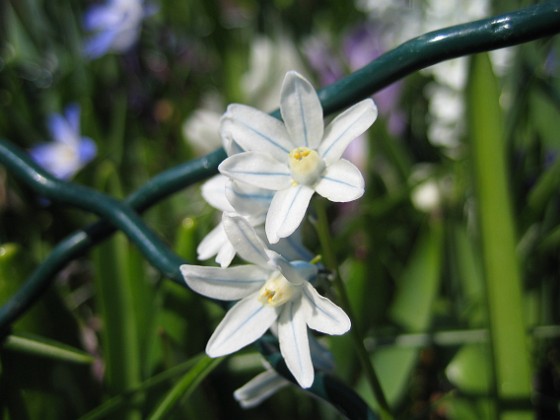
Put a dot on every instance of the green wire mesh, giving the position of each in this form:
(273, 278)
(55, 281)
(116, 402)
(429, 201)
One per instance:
(509, 29)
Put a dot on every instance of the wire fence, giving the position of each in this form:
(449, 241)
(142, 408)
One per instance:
(538, 21)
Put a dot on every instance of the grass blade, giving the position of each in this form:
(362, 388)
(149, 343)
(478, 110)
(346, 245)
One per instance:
(185, 387)
(497, 235)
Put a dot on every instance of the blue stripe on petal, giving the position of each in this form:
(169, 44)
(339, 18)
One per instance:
(287, 213)
(326, 152)
(257, 249)
(294, 335)
(338, 181)
(240, 326)
(254, 196)
(225, 280)
(260, 173)
(302, 113)
(317, 307)
(249, 242)
(264, 137)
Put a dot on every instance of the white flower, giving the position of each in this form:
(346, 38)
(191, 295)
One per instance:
(298, 157)
(250, 202)
(202, 130)
(273, 291)
(215, 191)
(269, 382)
(260, 388)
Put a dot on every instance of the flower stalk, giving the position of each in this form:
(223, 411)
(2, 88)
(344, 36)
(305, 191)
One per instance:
(329, 257)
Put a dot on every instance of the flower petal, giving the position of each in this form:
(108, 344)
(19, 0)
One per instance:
(257, 169)
(87, 149)
(286, 212)
(226, 254)
(60, 159)
(248, 200)
(214, 192)
(212, 243)
(323, 315)
(256, 131)
(341, 182)
(245, 322)
(294, 343)
(301, 111)
(296, 272)
(72, 115)
(260, 388)
(100, 17)
(245, 240)
(99, 44)
(292, 247)
(61, 131)
(230, 283)
(346, 127)
(202, 130)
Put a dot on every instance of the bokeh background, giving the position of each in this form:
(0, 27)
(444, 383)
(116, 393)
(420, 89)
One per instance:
(148, 81)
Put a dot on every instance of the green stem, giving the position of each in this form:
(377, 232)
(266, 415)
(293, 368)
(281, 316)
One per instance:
(329, 258)
(184, 388)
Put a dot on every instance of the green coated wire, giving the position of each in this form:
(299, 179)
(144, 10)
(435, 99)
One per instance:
(509, 29)
(517, 27)
(76, 244)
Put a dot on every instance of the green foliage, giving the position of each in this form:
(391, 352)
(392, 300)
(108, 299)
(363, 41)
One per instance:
(450, 298)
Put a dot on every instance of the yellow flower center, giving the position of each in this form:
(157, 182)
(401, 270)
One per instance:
(277, 290)
(306, 165)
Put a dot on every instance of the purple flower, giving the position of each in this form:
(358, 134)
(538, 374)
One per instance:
(68, 152)
(115, 26)
(361, 45)
(322, 60)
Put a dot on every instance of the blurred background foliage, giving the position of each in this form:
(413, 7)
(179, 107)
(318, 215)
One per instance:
(113, 339)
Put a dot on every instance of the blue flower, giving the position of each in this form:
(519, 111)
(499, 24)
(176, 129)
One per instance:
(69, 152)
(115, 26)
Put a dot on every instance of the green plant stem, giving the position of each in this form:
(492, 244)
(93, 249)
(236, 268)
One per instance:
(109, 406)
(329, 258)
(185, 387)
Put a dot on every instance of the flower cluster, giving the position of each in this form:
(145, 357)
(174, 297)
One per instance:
(272, 171)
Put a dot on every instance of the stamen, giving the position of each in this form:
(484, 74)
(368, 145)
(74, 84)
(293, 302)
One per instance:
(306, 166)
(277, 290)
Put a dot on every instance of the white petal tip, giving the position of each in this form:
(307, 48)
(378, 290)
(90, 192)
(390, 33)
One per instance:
(306, 382)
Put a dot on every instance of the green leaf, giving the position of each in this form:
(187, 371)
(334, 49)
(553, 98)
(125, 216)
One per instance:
(394, 366)
(470, 370)
(115, 282)
(469, 273)
(20, 44)
(43, 347)
(186, 240)
(412, 308)
(497, 234)
(419, 283)
(184, 388)
(545, 188)
(116, 402)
